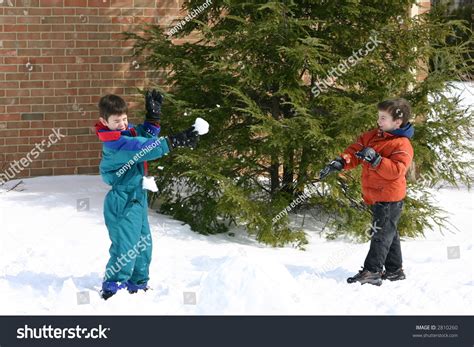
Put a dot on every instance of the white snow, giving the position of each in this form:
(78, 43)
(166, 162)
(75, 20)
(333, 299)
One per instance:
(201, 126)
(53, 251)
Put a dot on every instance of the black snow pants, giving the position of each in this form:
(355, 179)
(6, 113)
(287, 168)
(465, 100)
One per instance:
(385, 240)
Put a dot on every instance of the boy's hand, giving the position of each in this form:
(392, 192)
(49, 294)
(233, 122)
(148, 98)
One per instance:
(188, 138)
(336, 165)
(369, 155)
(153, 101)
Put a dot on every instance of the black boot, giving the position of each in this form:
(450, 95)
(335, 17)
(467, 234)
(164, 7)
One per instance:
(105, 294)
(396, 275)
(365, 276)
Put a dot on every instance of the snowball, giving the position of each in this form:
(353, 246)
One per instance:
(201, 126)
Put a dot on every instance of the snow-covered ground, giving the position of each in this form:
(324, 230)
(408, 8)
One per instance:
(54, 247)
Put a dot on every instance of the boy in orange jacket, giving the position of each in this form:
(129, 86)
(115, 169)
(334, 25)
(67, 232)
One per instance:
(385, 154)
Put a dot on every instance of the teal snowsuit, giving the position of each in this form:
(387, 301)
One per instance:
(123, 166)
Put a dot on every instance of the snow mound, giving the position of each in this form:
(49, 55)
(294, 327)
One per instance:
(243, 284)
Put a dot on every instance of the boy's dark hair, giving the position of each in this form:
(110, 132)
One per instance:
(111, 104)
(397, 108)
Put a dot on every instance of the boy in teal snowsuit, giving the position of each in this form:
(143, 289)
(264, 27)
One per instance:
(126, 150)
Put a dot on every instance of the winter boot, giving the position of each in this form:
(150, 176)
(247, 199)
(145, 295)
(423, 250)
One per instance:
(134, 288)
(396, 275)
(109, 289)
(365, 276)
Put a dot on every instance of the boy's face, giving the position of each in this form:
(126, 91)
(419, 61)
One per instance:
(386, 122)
(116, 122)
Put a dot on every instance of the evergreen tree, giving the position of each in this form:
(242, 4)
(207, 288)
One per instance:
(250, 69)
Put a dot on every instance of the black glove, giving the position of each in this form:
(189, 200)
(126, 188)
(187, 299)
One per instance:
(336, 165)
(188, 138)
(370, 155)
(153, 101)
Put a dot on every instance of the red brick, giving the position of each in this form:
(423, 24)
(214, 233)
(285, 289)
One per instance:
(9, 101)
(51, 3)
(39, 44)
(62, 60)
(39, 11)
(78, 67)
(89, 91)
(16, 76)
(39, 27)
(36, 124)
(81, 100)
(31, 132)
(77, 162)
(8, 148)
(17, 92)
(28, 36)
(9, 84)
(99, 3)
(95, 146)
(87, 170)
(31, 84)
(65, 124)
(65, 75)
(10, 133)
(75, 3)
(9, 52)
(87, 11)
(55, 100)
(52, 36)
(64, 11)
(54, 68)
(8, 68)
(65, 171)
(68, 91)
(52, 51)
(18, 108)
(41, 172)
(86, 138)
(54, 163)
(55, 116)
(43, 108)
(10, 36)
(87, 154)
(55, 84)
(63, 44)
(15, 28)
(19, 141)
(64, 155)
(29, 52)
(18, 125)
(27, 19)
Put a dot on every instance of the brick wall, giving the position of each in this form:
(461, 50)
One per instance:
(57, 58)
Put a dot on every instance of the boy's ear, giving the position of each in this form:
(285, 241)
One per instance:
(399, 122)
(103, 121)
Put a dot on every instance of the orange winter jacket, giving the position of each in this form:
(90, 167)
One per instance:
(386, 182)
